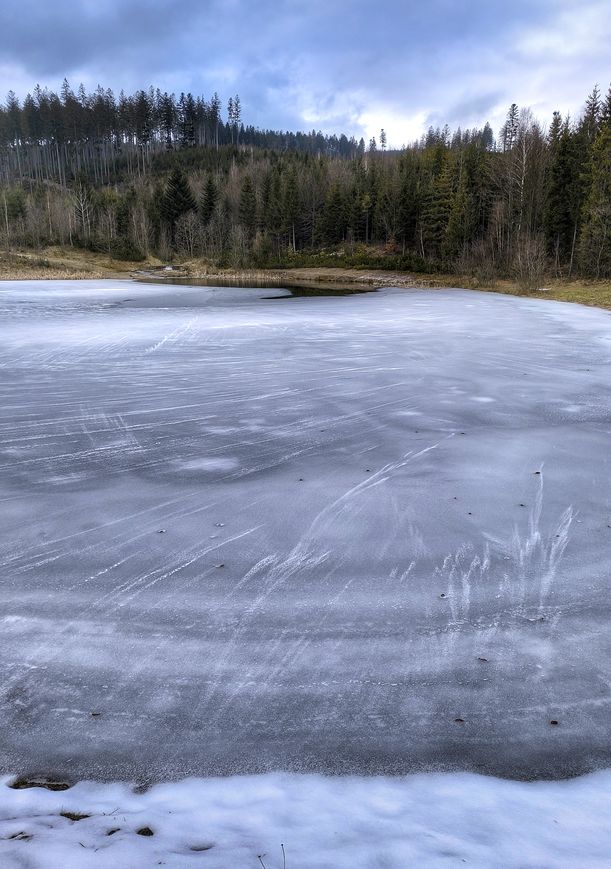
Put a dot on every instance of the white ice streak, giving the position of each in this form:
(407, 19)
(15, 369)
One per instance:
(534, 556)
(521, 567)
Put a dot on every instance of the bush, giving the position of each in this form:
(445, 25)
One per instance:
(478, 262)
(360, 257)
(529, 262)
(125, 249)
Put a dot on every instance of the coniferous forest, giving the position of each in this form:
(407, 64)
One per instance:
(152, 174)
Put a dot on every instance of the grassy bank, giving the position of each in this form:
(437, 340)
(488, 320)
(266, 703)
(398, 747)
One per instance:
(56, 263)
(73, 264)
(583, 292)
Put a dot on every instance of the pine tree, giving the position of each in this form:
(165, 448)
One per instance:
(561, 212)
(13, 113)
(166, 109)
(176, 200)
(509, 130)
(354, 213)
(437, 209)
(487, 137)
(458, 230)
(409, 202)
(595, 241)
(187, 119)
(605, 112)
(208, 200)
(143, 120)
(334, 219)
(248, 208)
(590, 121)
(291, 208)
(272, 201)
(237, 117)
(383, 139)
(555, 130)
(587, 131)
(215, 113)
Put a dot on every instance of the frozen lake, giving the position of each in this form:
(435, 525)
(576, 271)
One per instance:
(361, 534)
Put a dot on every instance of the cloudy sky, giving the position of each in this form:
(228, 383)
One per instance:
(335, 65)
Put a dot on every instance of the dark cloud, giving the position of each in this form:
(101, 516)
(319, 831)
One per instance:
(319, 64)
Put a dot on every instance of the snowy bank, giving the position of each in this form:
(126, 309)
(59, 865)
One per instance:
(336, 823)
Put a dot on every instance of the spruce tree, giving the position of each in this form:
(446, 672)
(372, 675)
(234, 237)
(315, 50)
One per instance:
(237, 117)
(272, 202)
(176, 200)
(605, 112)
(248, 208)
(587, 131)
(437, 209)
(166, 108)
(595, 241)
(13, 111)
(409, 206)
(555, 130)
(187, 116)
(590, 121)
(208, 200)
(215, 114)
(509, 131)
(334, 219)
(561, 214)
(458, 230)
(291, 208)
(230, 119)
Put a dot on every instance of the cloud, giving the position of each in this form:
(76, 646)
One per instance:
(327, 64)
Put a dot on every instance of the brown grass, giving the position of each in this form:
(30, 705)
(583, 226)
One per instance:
(56, 263)
(583, 292)
(74, 816)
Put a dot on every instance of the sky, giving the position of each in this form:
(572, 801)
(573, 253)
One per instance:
(350, 66)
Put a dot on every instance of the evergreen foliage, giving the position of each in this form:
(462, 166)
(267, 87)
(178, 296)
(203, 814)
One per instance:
(208, 200)
(149, 173)
(177, 199)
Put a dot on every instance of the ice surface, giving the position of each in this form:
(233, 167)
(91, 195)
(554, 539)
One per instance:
(242, 534)
(346, 822)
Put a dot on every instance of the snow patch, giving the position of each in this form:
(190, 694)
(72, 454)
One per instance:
(321, 823)
(206, 464)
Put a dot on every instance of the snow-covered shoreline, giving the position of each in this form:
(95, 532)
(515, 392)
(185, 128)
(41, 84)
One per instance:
(320, 822)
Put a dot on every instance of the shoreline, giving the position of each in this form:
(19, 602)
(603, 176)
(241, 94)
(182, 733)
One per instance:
(308, 276)
(59, 264)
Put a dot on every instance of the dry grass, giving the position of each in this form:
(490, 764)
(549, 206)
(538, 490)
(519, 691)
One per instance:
(594, 293)
(580, 291)
(17, 267)
(57, 263)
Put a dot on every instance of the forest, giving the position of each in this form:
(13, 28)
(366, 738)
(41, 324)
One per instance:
(150, 174)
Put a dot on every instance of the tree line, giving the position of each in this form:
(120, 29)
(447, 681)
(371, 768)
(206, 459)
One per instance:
(57, 137)
(154, 174)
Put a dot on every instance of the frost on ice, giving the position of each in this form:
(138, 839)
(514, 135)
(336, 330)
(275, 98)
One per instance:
(361, 535)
